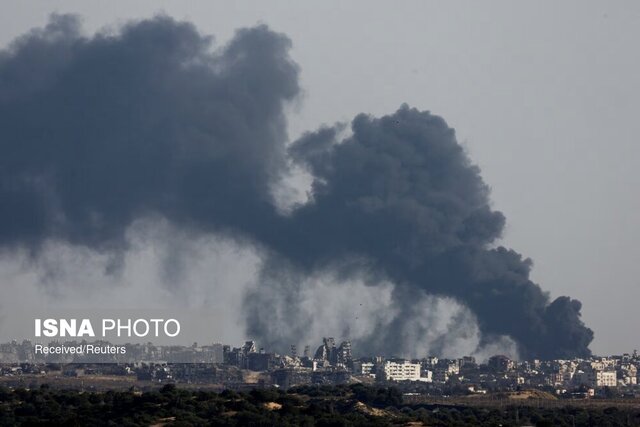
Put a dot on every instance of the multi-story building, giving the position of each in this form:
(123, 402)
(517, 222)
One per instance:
(364, 368)
(343, 354)
(596, 378)
(500, 363)
(627, 373)
(606, 379)
(401, 371)
(327, 351)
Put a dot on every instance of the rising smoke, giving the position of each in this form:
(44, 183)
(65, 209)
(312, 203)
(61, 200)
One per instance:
(99, 132)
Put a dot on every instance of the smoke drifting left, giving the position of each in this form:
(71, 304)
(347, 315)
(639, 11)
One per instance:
(98, 133)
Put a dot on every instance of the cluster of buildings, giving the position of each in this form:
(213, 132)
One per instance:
(333, 363)
(574, 377)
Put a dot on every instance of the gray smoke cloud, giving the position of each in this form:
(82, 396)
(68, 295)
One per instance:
(151, 120)
(402, 193)
(99, 131)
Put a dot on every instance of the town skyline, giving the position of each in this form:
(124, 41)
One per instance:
(329, 364)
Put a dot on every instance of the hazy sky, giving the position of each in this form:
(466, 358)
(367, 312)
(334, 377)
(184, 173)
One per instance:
(544, 95)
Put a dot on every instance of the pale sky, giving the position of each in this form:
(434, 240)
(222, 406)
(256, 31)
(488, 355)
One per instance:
(544, 96)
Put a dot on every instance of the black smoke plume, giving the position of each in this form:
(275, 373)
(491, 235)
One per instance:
(151, 120)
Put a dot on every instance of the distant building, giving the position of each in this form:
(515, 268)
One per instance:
(628, 374)
(248, 347)
(327, 351)
(500, 363)
(596, 378)
(364, 368)
(430, 362)
(226, 354)
(401, 371)
(606, 379)
(467, 362)
(260, 361)
(213, 353)
(332, 355)
(343, 355)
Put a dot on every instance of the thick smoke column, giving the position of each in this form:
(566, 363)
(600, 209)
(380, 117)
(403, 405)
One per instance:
(98, 132)
(402, 192)
(95, 133)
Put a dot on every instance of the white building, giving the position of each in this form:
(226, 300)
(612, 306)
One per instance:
(402, 371)
(596, 378)
(606, 379)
